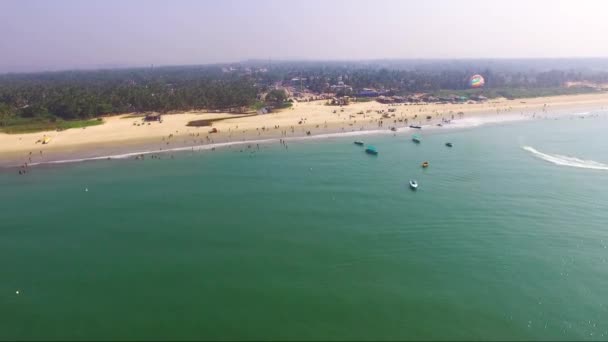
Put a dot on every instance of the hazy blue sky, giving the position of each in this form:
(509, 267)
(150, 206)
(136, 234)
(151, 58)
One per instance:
(59, 34)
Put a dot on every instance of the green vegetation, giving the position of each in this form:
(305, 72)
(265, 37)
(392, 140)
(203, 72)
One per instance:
(258, 105)
(28, 125)
(428, 76)
(60, 100)
(81, 95)
(277, 99)
(284, 105)
(276, 96)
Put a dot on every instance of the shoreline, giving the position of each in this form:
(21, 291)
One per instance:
(221, 145)
(108, 141)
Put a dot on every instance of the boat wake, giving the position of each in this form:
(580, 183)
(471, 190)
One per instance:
(458, 123)
(567, 161)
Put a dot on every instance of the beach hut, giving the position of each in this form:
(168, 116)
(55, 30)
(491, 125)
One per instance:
(263, 110)
(152, 117)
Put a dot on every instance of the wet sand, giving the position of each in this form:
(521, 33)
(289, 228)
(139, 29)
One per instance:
(123, 135)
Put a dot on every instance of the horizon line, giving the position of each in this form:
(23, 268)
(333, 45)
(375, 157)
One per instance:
(126, 66)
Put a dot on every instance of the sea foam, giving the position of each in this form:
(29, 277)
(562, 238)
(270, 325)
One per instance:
(455, 124)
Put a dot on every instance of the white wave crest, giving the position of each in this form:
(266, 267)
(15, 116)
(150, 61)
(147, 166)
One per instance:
(218, 145)
(567, 161)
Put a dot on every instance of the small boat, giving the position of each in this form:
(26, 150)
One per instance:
(449, 144)
(413, 184)
(213, 130)
(359, 142)
(46, 140)
(439, 125)
(394, 129)
(425, 164)
(371, 150)
(414, 126)
(416, 139)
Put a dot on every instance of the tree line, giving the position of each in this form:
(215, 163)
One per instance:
(411, 81)
(87, 94)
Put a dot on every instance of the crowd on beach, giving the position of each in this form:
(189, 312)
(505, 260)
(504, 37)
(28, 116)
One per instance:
(322, 120)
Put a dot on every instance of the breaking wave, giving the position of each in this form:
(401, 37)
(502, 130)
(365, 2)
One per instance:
(567, 161)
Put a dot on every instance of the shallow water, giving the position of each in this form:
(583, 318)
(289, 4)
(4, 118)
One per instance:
(320, 241)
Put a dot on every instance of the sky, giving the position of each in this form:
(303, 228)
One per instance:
(65, 34)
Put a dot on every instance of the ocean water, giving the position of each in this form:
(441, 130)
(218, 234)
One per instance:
(506, 238)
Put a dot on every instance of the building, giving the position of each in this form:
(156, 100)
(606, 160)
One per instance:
(367, 92)
(385, 99)
(153, 117)
(341, 88)
(340, 101)
(480, 98)
(297, 81)
(264, 110)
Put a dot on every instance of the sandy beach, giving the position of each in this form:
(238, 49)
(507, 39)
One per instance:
(128, 134)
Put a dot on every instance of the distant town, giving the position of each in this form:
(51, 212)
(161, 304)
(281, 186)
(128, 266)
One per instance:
(263, 86)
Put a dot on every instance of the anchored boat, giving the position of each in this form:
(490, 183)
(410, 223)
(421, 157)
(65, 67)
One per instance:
(358, 142)
(413, 184)
(371, 150)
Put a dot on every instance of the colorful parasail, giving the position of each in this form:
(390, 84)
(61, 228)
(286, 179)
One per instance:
(476, 81)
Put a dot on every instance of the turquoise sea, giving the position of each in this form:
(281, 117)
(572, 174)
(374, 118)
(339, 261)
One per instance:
(506, 238)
